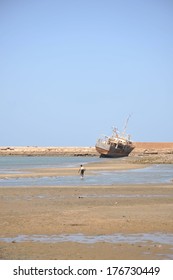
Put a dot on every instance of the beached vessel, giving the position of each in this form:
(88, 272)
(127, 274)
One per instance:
(116, 145)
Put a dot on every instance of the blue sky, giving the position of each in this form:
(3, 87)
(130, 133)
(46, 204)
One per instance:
(70, 70)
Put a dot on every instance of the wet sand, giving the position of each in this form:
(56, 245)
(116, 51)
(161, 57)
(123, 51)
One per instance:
(92, 211)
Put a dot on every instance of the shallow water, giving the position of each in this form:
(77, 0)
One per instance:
(16, 163)
(162, 173)
(157, 237)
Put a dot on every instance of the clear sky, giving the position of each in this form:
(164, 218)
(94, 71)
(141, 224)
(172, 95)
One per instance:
(72, 69)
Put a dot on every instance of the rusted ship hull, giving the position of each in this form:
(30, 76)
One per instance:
(116, 145)
(112, 151)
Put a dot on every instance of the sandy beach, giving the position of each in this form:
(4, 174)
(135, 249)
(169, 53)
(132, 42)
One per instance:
(85, 213)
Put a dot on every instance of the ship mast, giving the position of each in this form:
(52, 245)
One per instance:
(125, 127)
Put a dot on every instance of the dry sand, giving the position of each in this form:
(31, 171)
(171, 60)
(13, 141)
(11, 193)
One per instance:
(92, 211)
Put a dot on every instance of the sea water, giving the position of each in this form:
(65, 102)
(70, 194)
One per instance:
(161, 173)
(16, 163)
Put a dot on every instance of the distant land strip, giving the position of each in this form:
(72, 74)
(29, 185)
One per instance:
(141, 148)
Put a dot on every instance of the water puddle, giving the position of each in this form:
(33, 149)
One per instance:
(160, 238)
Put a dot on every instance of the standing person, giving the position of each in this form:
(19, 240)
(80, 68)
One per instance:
(81, 171)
